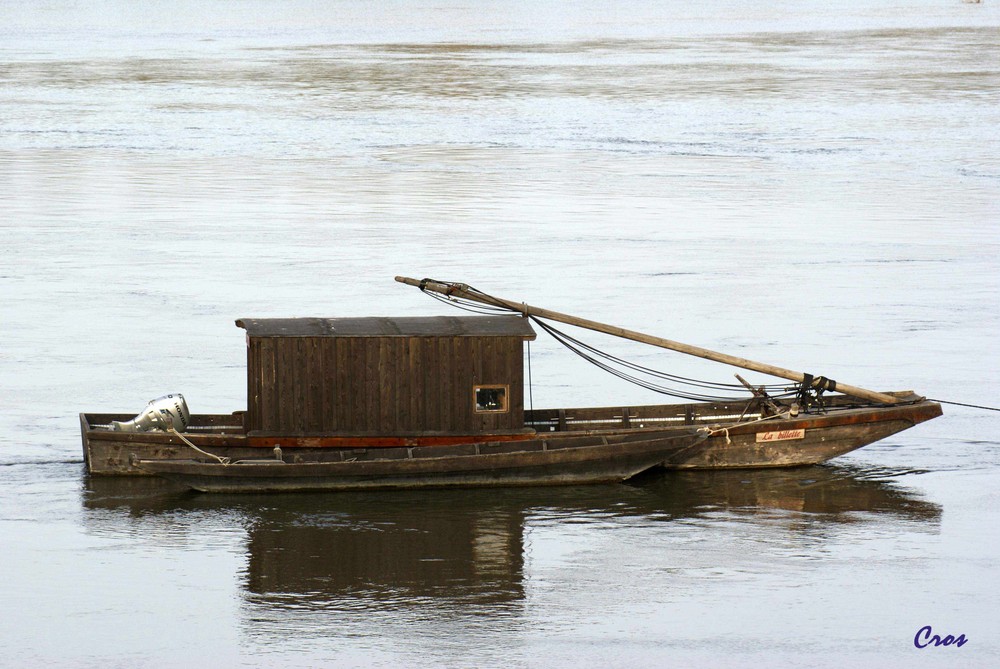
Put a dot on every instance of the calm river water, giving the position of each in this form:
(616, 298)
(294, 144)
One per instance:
(812, 184)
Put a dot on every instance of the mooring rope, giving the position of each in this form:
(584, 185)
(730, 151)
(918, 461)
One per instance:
(222, 460)
(962, 404)
(712, 431)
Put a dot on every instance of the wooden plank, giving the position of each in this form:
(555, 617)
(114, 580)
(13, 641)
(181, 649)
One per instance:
(342, 409)
(281, 389)
(492, 370)
(503, 372)
(258, 419)
(372, 391)
(272, 415)
(435, 397)
(608, 413)
(401, 395)
(417, 388)
(270, 418)
(514, 358)
(485, 375)
(305, 375)
(316, 383)
(297, 367)
(287, 373)
(476, 376)
(451, 358)
(386, 389)
(309, 380)
(401, 384)
(264, 440)
(328, 388)
(394, 351)
(357, 383)
(425, 362)
(445, 371)
(352, 381)
(253, 383)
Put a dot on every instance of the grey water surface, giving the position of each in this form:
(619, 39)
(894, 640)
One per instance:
(811, 184)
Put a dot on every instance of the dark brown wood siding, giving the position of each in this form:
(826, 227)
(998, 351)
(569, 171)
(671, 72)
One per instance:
(381, 385)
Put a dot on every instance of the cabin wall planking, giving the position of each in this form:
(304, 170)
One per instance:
(446, 391)
(381, 384)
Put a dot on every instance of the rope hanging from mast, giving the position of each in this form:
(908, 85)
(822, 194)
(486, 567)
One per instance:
(619, 367)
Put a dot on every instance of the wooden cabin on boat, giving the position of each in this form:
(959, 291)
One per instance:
(381, 376)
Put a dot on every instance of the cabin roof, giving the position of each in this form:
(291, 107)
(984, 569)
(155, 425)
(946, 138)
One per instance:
(380, 326)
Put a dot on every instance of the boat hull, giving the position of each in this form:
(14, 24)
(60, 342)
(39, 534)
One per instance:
(525, 464)
(734, 441)
(797, 442)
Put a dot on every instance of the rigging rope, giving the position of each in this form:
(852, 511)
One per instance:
(653, 372)
(603, 360)
(609, 367)
(590, 353)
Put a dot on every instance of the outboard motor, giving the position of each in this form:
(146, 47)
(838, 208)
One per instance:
(159, 415)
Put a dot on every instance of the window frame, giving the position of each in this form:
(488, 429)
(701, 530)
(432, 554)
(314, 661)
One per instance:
(504, 405)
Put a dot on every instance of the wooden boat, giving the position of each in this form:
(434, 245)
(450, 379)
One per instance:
(810, 438)
(505, 463)
(367, 390)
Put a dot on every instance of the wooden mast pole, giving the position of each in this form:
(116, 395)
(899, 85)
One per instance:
(462, 291)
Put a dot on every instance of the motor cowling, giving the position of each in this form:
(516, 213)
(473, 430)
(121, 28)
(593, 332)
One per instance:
(161, 414)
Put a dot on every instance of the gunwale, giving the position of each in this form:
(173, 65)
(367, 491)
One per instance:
(843, 427)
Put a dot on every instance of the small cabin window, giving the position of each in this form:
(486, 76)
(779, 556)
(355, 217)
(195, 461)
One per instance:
(490, 399)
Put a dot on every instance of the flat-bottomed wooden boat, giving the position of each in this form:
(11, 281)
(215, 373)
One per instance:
(440, 401)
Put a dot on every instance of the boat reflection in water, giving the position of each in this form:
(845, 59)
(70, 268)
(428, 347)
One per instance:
(820, 489)
(465, 549)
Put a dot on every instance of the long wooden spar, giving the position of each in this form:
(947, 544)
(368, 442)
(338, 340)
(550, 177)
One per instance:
(462, 291)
